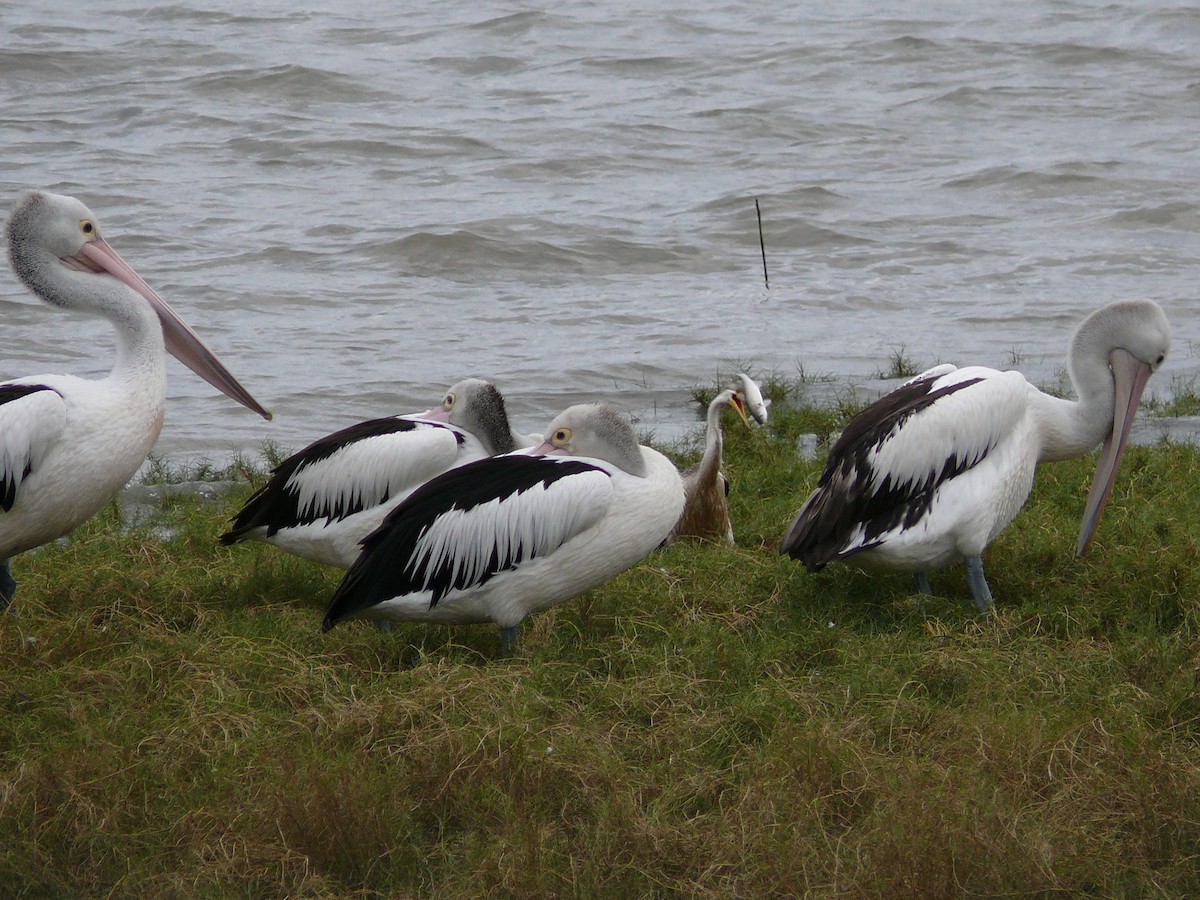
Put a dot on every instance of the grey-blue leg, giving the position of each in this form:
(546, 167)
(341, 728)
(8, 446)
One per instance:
(923, 583)
(508, 638)
(979, 585)
(8, 585)
(384, 625)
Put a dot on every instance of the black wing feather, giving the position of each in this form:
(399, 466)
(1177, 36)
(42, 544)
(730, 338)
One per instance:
(818, 533)
(383, 570)
(277, 503)
(10, 480)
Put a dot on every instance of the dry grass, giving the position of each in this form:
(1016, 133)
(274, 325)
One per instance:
(715, 722)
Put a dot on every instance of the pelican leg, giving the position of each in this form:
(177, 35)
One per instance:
(8, 585)
(384, 625)
(508, 638)
(979, 585)
(922, 579)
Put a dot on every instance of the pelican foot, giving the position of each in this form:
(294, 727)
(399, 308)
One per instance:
(508, 638)
(979, 585)
(8, 585)
(922, 579)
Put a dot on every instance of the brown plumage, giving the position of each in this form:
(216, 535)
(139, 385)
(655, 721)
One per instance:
(705, 513)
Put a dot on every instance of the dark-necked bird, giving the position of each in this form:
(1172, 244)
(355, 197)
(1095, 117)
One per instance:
(504, 537)
(321, 502)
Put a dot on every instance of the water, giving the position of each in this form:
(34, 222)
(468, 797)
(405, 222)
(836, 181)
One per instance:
(357, 206)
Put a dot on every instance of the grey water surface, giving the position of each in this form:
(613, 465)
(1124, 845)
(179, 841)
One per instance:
(357, 203)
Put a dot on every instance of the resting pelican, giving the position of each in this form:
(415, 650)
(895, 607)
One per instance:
(705, 512)
(321, 502)
(498, 539)
(930, 473)
(68, 444)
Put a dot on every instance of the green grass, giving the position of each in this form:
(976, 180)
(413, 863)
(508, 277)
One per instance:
(1183, 399)
(900, 365)
(714, 722)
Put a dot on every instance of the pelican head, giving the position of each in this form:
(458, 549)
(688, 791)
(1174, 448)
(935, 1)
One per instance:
(594, 430)
(1135, 337)
(476, 406)
(56, 248)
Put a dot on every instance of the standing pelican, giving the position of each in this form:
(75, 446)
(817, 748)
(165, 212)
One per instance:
(321, 502)
(498, 539)
(932, 472)
(68, 444)
(705, 512)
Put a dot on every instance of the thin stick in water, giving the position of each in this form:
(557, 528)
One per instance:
(762, 244)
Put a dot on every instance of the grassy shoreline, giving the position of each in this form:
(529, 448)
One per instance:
(716, 721)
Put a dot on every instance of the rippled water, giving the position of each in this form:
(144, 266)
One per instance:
(357, 206)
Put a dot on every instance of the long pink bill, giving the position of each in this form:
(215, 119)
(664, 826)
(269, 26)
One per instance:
(181, 342)
(545, 448)
(434, 414)
(1129, 380)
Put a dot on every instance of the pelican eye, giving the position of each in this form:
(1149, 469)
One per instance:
(1162, 357)
(448, 403)
(561, 437)
(88, 227)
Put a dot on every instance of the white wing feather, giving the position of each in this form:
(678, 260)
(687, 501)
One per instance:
(963, 425)
(366, 471)
(533, 522)
(29, 427)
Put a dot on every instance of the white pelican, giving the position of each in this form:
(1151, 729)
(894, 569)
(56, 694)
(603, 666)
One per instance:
(498, 539)
(930, 473)
(705, 512)
(68, 444)
(321, 502)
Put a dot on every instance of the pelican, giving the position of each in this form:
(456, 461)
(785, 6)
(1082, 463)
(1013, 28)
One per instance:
(705, 512)
(321, 502)
(68, 444)
(498, 539)
(930, 473)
